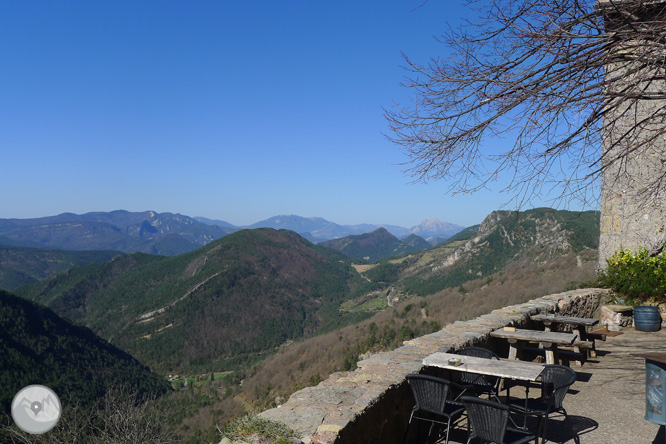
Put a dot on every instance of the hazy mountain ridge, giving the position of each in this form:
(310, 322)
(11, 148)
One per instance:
(149, 232)
(319, 229)
(171, 234)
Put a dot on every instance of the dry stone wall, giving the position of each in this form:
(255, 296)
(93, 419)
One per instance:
(372, 404)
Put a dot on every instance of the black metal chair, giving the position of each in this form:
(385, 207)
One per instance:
(479, 384)
(555, 381)
(489, 421)
(430, 395)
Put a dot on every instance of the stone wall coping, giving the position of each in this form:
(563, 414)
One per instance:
(619, 308)
(344, 396)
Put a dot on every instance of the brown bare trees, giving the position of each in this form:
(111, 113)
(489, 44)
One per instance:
(551, 92)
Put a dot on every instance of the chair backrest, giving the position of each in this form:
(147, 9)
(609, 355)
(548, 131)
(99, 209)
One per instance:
(555, 381)
(477, 352)
(430, 393)
(488, 419)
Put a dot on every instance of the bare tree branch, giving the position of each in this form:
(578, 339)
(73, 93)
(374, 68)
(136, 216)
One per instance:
(554, 78)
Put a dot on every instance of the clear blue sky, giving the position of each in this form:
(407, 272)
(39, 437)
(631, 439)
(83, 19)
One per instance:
(232, 110)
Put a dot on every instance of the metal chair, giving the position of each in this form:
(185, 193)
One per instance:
(489, 421)
(430, 394)
(555, 381)
(479, 384)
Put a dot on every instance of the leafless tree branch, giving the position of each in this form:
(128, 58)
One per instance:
(554, 77)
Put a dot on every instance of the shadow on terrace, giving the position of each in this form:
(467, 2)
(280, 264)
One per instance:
(606, 404)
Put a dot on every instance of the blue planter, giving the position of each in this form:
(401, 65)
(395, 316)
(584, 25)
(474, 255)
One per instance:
(647, 318)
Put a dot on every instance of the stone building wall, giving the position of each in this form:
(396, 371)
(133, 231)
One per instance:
(371, 405)
(632, 206)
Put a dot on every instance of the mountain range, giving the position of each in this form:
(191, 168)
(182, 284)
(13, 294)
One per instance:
(253, 290)
(148, 232)
(260, 294)
(171, 234)
(238, 296)
(317, 229)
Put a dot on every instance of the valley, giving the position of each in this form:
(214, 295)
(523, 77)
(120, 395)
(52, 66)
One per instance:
(247, 319)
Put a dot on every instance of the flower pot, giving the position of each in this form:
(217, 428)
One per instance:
(647, 318)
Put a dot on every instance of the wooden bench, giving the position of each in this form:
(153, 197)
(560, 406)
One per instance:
(576, 352)
(578, 325)
(549, 341)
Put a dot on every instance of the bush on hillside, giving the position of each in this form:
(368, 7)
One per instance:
(635, 276)
(256, 429)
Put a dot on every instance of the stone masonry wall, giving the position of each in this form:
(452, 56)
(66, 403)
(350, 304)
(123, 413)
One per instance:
(371, 405)
(633, 203)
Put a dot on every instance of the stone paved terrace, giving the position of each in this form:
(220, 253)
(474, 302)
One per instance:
(607, 402)
(371, 404)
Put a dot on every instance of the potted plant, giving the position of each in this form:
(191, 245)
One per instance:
(638, 279)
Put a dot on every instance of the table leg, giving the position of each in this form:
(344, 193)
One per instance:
(527, 393)
(508, 400)
(513, 349)
(550, 352)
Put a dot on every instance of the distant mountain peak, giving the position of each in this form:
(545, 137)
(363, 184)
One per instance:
(435, 228)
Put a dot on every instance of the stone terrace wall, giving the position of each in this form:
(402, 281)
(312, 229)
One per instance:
(372, 404)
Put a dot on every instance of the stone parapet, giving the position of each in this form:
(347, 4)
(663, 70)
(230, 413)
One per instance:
(371, 404)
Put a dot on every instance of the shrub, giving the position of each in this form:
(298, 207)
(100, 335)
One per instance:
(254, 427)
(636, 276)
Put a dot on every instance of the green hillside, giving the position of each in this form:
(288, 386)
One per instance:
(39, 347)
(377, 245)
(25, 266)
(416, 242)
(538, 235)
(233, 299)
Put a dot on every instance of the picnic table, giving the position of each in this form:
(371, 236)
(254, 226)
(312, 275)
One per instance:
(548, 340)
(518, 370)
(579, 326)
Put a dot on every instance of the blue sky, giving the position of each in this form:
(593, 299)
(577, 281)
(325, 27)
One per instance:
(232, 110)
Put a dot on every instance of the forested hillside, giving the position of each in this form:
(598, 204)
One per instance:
(25, 266)
(230, 301)
(306, 362)
(39, 347)
(377, 245)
